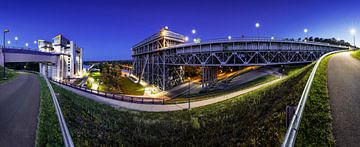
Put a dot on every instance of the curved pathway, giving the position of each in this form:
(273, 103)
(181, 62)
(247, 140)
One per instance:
(162, 108)
(344, 92)
(19, 109)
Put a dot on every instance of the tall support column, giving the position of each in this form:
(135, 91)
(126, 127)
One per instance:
(164, 72)
(202, 76)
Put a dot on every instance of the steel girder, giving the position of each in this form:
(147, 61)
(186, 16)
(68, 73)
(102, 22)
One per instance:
(243, 58)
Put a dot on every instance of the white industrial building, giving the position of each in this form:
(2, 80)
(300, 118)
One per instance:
(69, 64)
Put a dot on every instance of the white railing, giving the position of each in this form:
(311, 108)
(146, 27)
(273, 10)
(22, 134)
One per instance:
(292, 130)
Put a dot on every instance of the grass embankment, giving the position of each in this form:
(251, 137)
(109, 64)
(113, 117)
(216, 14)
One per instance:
(203, 96)
(253, 119)
(48, 131)
(126, 85)
(10, 74)
(316, 124)
(356, 54)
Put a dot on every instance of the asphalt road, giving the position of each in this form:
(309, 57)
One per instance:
(19, 109)
(344, 91)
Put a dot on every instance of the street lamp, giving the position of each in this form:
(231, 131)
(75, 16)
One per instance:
(257, 26)
(229, 37)
(26, 44)
(35, 42)
(186, 38)
(5, 31)
(193, 31)
(16, 39)
(189, 93)
(305, 31)
(353, 32)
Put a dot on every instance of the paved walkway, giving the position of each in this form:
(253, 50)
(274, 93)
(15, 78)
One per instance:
(19, 109)
(344, 92)
(162, 108)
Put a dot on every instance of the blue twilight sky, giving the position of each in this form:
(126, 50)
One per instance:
(107, 29)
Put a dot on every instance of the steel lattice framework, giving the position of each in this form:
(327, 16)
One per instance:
(160, 60)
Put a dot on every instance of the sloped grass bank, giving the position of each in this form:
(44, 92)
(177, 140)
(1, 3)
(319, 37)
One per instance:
(48, 131)
(356, 54)
(253, 119)
(316, 124)
(10, 74)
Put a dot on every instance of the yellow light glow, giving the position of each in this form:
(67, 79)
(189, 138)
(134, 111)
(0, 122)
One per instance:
(163, 33)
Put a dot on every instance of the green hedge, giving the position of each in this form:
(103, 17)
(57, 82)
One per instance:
(253, 119)
(48, 131)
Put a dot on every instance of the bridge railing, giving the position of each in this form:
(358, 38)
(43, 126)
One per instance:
(260, 39)
(17, 47)
(120, 97)
(293, 128)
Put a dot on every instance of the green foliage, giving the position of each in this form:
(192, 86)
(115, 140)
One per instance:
(48, 131)
(253, 119)
(316, 124)
(10, 74)
(356, 54)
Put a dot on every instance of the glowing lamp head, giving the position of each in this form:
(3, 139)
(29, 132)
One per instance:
(193, 31)
(6, 31)
(272, 38)
(306, 30)
(35, 42)
(229, 37)
(257, 25)
(16, 38)
(9, 42)
(186, 38)
(353, 31)
(166, 27)
(163, 33)
(26, 44)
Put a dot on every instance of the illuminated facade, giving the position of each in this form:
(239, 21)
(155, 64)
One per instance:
(69, 65)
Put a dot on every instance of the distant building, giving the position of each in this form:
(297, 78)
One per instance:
(69, 64)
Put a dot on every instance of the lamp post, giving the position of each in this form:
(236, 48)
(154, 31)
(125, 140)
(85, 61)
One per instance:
(189, 93)
(353, 32)
(16, 39)
(5, 31)
(306, 37)
(257, 26)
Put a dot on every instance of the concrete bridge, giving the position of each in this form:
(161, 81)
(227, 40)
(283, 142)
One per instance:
(11, 55)
(161, 59)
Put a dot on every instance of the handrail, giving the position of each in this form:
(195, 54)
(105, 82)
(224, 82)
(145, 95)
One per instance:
(292, 130)
(64, 129)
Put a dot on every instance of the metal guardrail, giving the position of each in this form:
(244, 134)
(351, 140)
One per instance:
(292, 130)
(120, 97)
(64, 129)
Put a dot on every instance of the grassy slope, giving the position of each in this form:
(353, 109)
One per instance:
(127, 86)
(256, 118)
(316, 124)
(10, 74)
(48, 132)
(356, 54)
